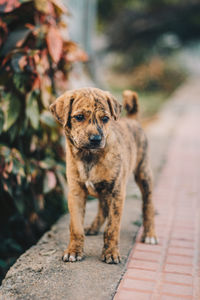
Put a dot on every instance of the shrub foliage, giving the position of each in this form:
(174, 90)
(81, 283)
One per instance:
(35, 61)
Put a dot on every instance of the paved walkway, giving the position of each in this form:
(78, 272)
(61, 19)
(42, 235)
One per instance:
(171, 270)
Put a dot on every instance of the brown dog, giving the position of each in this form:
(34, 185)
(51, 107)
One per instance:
(102, 152)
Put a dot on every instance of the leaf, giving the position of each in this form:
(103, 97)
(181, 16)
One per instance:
(22, 62)
(9, 167)
(54, 43)
(16, 166)
(47, 163)
(13, 131)
(60, 7)
(46, 91)
(49, 182)
(19, 34)
(3, 32)
(20, 81)
(15, 62)
(8, 5)
(32, 110)
(5, 151)
(11, 110)
(1, 120)
(44, 6)
(3, 264)
(19, 203)
(47, 118)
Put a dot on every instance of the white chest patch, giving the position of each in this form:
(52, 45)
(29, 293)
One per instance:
(89, 185)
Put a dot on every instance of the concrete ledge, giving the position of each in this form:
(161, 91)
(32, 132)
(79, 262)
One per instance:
(40, 273)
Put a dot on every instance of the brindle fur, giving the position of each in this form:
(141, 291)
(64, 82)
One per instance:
(103, 172)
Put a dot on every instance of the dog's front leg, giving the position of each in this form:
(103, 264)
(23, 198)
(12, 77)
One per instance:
(110, 253)
(76, 204)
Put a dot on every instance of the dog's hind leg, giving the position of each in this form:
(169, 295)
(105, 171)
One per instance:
(94, 228)
(110, 253)
(143, 177)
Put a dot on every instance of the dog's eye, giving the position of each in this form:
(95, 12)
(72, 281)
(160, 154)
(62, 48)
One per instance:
(79, 118)
(105, 119)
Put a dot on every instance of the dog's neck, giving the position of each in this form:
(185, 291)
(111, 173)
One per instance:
(87, 157)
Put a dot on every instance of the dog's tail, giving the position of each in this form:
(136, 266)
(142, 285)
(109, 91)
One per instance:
(130, 103)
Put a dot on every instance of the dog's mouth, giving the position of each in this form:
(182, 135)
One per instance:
(94, 145)
(89, 146)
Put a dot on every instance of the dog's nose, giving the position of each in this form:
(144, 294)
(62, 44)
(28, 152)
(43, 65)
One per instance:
(95, 139)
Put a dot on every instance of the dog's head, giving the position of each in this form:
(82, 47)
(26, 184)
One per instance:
(85, 115)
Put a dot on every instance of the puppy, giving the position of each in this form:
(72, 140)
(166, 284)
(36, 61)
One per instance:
(102, 152)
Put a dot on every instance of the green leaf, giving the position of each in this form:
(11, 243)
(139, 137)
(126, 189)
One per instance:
(16, 166)
(13, 131)
(11, 110)
(47, 118)
(19, 203)
(32, 110)
(1, 120)
(14, 37)
(47, 163)
(5, 151)
(3, 264)
(20, 82)
(11, 245)
(15, 62)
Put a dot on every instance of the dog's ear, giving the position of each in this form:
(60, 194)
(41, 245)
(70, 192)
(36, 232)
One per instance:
(114, 106)
(61, 108)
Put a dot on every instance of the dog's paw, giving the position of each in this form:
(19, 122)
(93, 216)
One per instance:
(72, 256)
(111, 256)
(150, 239)
(91, 231)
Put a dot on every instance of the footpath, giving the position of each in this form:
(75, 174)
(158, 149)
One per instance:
(169, 270)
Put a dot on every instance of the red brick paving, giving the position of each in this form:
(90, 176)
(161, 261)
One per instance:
(171, 269)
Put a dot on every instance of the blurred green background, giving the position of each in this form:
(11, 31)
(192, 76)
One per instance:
(153, 45)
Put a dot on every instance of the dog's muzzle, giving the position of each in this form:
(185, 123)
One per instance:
(95, 140)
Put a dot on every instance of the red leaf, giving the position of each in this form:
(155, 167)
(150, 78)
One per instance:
(9, 167)
(49, 182)
(51, 179)
(3, 32)
(22, 62)
(44, 60)
(8, 5)
(30, 26)
(5, 187)
(36, 58)
(36, 84)
(54, 43)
